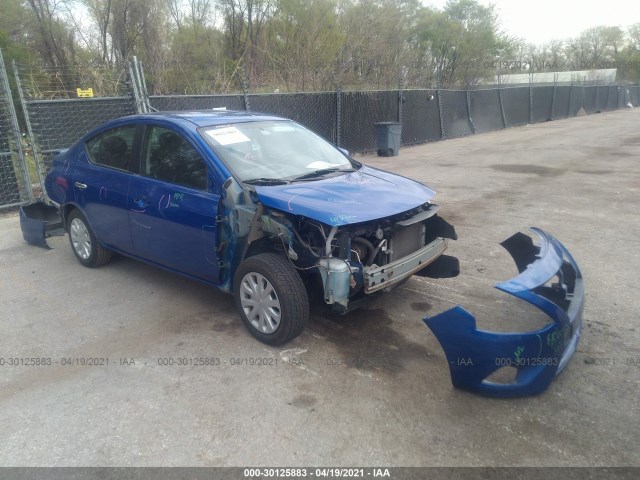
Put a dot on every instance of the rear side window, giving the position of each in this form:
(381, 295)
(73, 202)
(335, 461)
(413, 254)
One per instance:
(113, 148)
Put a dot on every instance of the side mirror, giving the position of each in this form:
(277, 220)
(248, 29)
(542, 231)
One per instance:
(345, 151)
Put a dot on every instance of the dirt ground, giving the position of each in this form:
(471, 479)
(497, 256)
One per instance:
(371, 388)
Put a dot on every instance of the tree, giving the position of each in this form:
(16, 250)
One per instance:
(102, 13)
(302, 44)
(377, 41)
(52, 38)
(244, 21)
(628, 59)
(13, 31)
(195, 62)
(594, 48)
(480, 43)
(464, 42)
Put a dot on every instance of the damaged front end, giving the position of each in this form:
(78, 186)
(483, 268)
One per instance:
(362, 259)
(550, 280)
(348, 261)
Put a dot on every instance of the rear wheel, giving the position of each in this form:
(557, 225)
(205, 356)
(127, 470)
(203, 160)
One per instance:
(271, 298)
(84, 244)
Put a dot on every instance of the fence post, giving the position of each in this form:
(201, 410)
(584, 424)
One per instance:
(504, 118)
(624, 96)
(36, 153)
(399, 99)
(15, 128)
(338, 114)
(137, 101)
(143, 88)
(138, 81)
(471, 124)
(245, 87)
(553, 97)
(530, 98)
(606, 104)
(570, 96)
(443, 135)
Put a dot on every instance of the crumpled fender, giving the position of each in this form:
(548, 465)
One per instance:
(540, 355)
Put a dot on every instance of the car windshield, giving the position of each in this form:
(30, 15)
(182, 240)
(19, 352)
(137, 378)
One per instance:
(275, 152)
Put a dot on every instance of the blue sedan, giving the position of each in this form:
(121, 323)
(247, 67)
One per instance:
(255, 205)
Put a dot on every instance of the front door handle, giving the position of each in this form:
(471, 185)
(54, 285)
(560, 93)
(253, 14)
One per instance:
(81, 186)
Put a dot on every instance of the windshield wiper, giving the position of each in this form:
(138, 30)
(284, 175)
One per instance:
(321, 172)
(266, 181)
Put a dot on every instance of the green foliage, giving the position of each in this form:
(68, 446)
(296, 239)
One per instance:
(209, 46)
(464, 40)
(199, 65)
(303, 40)
(13, 39)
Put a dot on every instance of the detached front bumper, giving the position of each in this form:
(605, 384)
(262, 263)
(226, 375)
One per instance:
(549, 279)
(39, 221)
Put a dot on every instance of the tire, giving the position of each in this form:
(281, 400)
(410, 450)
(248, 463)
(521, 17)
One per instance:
(283, 308)
(84, 244)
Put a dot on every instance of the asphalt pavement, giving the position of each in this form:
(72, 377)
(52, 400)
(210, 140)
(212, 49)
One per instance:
(370, 388)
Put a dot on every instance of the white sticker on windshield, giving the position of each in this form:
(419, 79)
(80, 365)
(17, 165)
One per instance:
(228, 135)
(318, 164)
(283, 128)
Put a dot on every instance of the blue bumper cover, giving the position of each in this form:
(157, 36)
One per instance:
(549, 279)
(39, 221)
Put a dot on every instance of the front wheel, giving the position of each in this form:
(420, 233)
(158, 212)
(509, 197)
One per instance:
(271, 298)
(84, 244)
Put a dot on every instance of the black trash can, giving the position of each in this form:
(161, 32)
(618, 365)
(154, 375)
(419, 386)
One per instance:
(388, 138)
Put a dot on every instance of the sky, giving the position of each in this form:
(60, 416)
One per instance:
(540, 21)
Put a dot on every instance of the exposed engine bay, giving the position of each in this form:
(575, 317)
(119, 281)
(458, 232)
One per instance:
(355, 260)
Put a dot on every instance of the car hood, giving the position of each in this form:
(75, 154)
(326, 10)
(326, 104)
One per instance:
(360, 196)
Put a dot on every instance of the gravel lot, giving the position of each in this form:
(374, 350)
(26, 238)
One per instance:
(371, 388)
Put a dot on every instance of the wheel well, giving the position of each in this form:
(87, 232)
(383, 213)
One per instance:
(66, 211)
(263, 245)
(269, 245)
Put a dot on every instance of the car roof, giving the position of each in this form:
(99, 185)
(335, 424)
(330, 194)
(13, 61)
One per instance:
(204, 118)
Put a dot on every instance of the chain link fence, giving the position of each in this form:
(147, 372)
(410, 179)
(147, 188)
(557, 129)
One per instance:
(576, 96)
(541, 104)
(359, 111)
(420, 117)
(486, 110)
(561, 99)
(197, 102)
(316, 111)
(60, 107)
(15, 185)
(516, 104)
(455, 115)
(589, 99)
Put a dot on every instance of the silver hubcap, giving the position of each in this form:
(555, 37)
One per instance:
(260, 302)
(80, 238)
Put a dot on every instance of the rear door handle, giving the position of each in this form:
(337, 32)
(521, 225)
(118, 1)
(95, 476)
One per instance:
(81, 186)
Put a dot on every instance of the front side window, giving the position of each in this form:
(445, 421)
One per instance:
(113, 148)
(169, 157)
